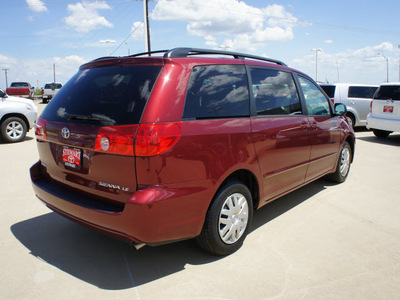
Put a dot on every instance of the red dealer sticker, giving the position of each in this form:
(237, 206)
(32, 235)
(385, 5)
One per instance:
(388, 109)
(71, 157)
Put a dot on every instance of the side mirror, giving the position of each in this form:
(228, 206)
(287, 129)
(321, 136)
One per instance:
(340, 109)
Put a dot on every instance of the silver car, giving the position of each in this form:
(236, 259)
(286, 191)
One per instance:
(17, 117)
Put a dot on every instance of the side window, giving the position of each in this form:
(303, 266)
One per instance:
(362, 92)
(316, 102)
(217, 91)
(274, 92)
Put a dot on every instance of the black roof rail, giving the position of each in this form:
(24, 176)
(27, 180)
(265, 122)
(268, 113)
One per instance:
(185, 52)
(148, 53)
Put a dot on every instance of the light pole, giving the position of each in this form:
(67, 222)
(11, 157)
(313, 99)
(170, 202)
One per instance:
(316, 61)
(387, 66)
(5, 71)
(129, 51)
(107, 42)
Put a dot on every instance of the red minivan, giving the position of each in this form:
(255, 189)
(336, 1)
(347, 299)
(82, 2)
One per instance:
(186, 144)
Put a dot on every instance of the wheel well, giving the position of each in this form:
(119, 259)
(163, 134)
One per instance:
(350, 140)
(249, 180)
(21, 116)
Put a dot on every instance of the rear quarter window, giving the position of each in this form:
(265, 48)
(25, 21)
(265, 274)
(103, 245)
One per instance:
(217, 91)
(362, 92)
(115, 95)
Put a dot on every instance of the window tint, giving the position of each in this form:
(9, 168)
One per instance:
(274, 92)
(107, 95)
(217, 91)
(316, 102)
(19, 84)
(388, 92)
(53, 86)
(362, 92)
(329, 90)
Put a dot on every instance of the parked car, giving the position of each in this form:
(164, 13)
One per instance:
(164, 148)
(50, 90)
(17, 117)
(22, 89)
(356, 97)
(384, 117)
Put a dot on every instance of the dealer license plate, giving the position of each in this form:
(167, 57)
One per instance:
(72, 157)
(388, 109)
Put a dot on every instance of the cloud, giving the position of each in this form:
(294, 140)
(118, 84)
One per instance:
(363, 65)
(85, 17)
(241, 25)
(36, 5)
(137, 30)
(328, 42)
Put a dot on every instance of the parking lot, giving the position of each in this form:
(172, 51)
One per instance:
(323, 241)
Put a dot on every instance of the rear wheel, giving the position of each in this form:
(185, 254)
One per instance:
(381, 133)
(13, 130)
(228, 220)
(343, 165)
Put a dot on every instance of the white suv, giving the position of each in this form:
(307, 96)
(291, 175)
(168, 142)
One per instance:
(384, 117)
(356, 97)
(17, 116)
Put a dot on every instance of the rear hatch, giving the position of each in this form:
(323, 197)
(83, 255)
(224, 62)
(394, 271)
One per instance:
(386, 103)
(86, 133)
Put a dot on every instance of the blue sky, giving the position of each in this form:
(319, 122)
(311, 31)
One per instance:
(356, 38)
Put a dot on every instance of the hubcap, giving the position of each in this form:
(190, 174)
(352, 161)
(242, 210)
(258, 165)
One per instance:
(233, 218)
(345, 162)
(14, 130)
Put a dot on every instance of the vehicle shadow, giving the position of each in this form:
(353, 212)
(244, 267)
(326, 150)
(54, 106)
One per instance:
(27, 138)
(391, 140)
(112, 264)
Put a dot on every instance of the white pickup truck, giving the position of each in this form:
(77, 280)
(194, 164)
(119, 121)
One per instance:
(49, 90)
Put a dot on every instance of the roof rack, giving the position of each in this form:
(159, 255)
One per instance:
(185, 52)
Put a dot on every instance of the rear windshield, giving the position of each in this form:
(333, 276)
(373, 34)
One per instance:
(386, 92)
(19, 84)
(362, 91)
(329, 90)
(53, 86)
(108, 96)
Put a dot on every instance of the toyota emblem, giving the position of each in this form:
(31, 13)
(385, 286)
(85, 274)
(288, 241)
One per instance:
(65, 133)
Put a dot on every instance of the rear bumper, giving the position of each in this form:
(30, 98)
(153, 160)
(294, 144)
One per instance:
(374, 122)
(152, 215)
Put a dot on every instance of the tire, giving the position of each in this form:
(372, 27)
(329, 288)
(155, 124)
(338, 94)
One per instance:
(381, 133)
(343, 165)
(13, 130)
(228, 220)
(352, 119)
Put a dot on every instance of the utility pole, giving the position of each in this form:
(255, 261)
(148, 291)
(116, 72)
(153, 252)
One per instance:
(5, 71)
(316, 61)
(54, 72)
(147, 45)
(387, 66)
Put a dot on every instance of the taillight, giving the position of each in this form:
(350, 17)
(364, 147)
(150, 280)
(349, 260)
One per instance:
(370, 106)
(156, 138)
(116, 139)
(40, 130)
(42, 91)
(332, 100)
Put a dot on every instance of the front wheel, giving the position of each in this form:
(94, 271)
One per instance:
(343, 165)
(228, 220)
(13, 130)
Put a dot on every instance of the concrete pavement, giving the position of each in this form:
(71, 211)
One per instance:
(323, 241)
